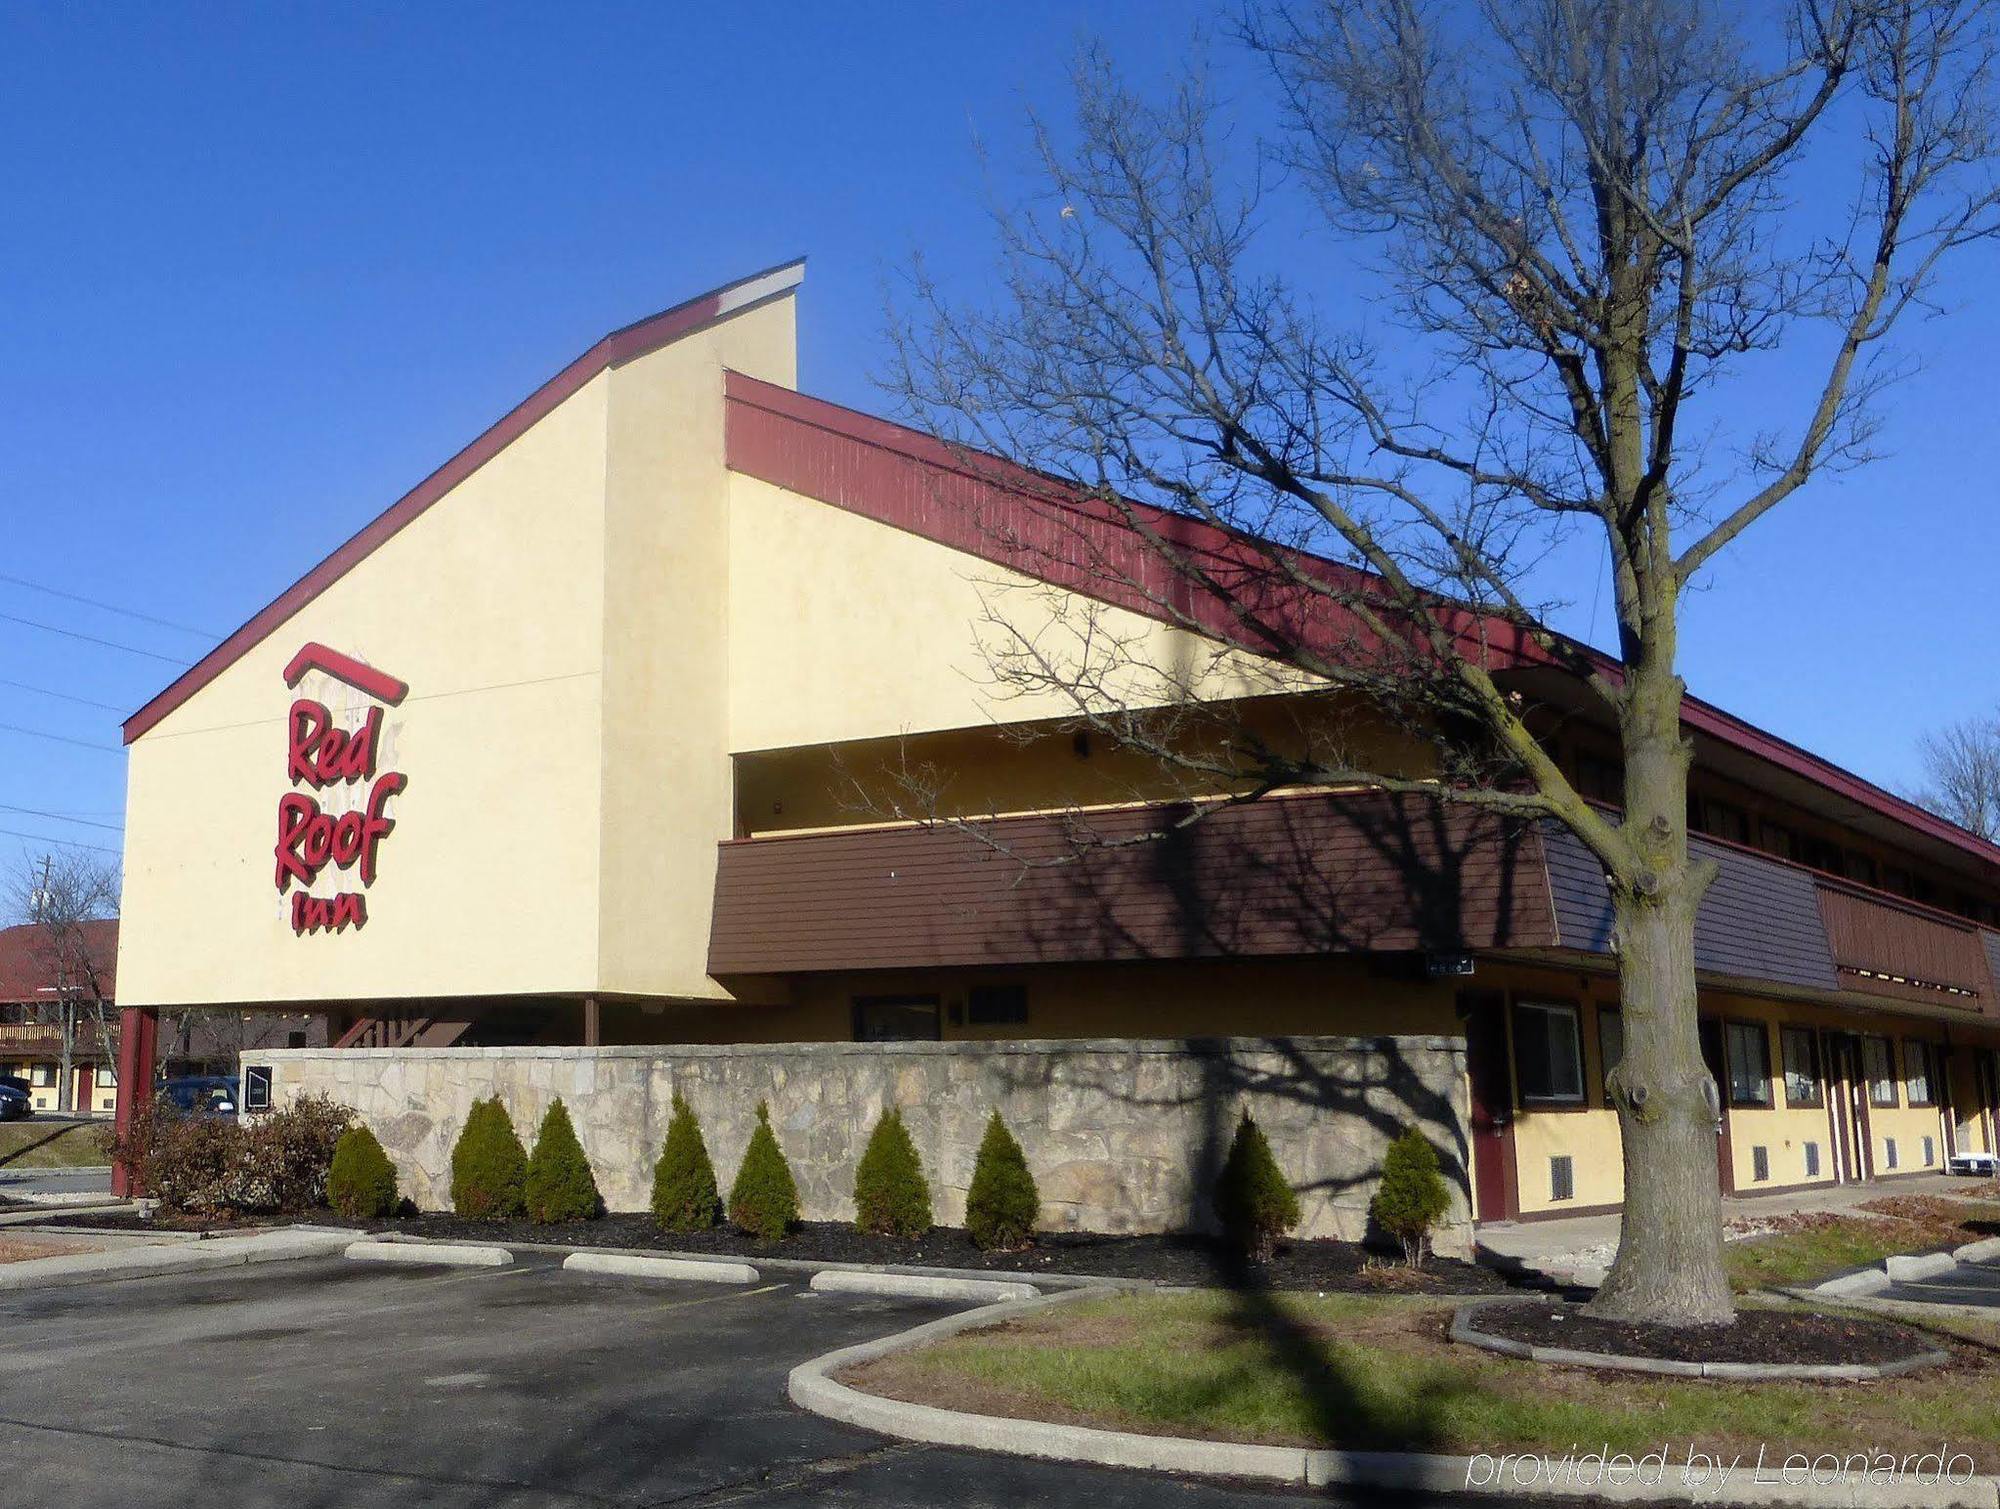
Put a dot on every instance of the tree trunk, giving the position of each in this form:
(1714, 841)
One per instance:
(1669, 1266)
(66, 1057)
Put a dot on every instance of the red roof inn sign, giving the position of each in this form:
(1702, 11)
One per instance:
(326, 757)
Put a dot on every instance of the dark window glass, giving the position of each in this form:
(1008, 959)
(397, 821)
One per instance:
(1801, 1051)
(1610, 1037)
(996, 1005)
(1548, 1052)
(1749, 1064)
(1879, 1071)
(1918, 1073)
(895, 1019)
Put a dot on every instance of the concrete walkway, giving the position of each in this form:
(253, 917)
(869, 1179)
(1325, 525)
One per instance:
(1588, 1239)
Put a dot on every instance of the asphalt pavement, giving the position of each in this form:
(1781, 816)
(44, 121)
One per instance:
(335, 1383)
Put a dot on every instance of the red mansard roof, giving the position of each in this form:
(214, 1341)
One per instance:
(907, 479)
(25, 975)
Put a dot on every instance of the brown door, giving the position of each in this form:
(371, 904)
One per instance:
(1492, 1106)
(1853, 1090)
(86, 1079)
(1711, 1052)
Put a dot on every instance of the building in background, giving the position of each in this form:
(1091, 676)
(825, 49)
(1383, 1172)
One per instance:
(667, 714)
(191, 1042)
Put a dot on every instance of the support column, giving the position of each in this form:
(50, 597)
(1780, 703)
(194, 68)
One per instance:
(138, 1042)
(593, 1027)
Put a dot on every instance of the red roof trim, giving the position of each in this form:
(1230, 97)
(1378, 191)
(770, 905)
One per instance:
(912, 504)
(314, 656)
(620, 346)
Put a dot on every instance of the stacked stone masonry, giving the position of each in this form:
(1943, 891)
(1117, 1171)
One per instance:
(1122, 1136)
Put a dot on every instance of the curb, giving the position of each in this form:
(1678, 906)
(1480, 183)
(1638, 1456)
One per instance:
(443, 1253)
(1040, 1282)
(812, 1388)
(51, 1212)
(918, 1286)
(10, 1175)
(1902, 1269)
(1463, 1330)
(1983, 1251)
(623, 1266)
(184, 1257)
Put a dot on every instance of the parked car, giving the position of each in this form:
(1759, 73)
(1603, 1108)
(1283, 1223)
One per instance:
(15, 1101)
(202, 1094)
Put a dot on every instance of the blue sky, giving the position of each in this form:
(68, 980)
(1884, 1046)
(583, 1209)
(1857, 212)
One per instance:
(263, 268)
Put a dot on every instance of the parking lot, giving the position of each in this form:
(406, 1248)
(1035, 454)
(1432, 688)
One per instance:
(338, 1383)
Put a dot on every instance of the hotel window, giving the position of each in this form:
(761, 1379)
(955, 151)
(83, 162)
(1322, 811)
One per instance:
(1918, 1072)
(1801, 1054)
(1610, 1038)
(42, 1076)
(1779, 840)
(996, 1005)
(1749, 1064)
(1879, 1071)
(896, 1019)
(1722, 820)
(1548, 1053)
(106, 1077)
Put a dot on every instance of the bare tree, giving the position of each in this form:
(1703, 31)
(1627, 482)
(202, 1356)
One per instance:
(1961, 783)
(1576, 218)
(59, 894)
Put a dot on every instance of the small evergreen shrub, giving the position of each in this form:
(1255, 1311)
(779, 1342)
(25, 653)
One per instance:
(764, 1200)
(1412, 1196)
(1002, 1203)
(559, 1185)
(891, 1197)
(684, 1193)
(362, 1182)
(489, 1167)
(1254, 1203)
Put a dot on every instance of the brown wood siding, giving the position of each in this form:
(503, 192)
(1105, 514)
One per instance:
(1284, 876)
(1905, 954)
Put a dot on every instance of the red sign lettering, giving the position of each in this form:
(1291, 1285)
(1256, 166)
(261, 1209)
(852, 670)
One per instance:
(319, 754)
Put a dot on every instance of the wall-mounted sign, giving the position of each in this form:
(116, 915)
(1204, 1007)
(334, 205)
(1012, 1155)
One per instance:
(257, 1087)
(342, 816)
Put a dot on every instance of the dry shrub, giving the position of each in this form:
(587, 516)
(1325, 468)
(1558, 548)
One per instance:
(204, 1165)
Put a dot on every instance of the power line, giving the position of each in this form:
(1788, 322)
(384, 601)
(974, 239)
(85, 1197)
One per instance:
(42, 691)
(36, 733)
(60, 843)
(91, 602)
(109, 644)
(63, 817)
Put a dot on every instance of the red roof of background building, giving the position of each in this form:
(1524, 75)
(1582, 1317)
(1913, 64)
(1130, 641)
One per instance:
(24, 962)
(910, 446)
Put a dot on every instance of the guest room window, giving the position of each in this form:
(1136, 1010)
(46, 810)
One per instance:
(1749, 1064)
(1548, 1053)
(1918, 1074)
(1801, 1049)
(1879, 1070)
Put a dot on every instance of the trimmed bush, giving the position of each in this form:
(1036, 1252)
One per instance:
(362, 1181)
(891, 1197)
(1412, 1196)
(489, 1167)
(1254, 1203)
(764, 1200)
(1002, 1203)
(559, 1185)
(684, 1193)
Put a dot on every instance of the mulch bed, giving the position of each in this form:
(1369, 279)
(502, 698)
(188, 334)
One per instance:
(1757, 1336)
(1177, 1260)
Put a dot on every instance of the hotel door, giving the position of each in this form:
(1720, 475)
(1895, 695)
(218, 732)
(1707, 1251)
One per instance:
(1848, 1094)
(1492, 1085)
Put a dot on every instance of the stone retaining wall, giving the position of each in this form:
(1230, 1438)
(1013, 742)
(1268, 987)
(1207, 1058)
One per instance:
(1123, 1136)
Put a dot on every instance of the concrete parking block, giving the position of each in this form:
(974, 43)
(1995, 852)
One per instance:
(447, 1254)
(1986, 1250)
(1902, 1269)
(177, 1257)
(917, 1286)
(627, 1265)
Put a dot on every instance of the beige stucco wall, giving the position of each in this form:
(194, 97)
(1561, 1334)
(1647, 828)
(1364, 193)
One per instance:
(842, 628)
(668, 797)
(490, 606)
